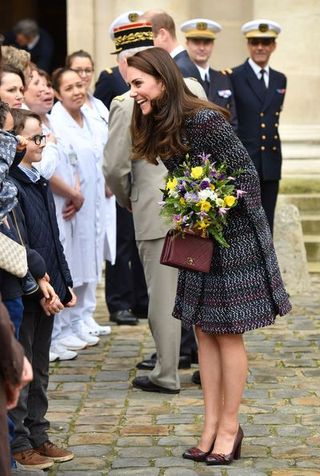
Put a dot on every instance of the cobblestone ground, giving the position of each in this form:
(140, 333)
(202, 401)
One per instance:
(116, 430)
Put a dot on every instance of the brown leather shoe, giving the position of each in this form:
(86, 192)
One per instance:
(215, 459)
(30, 459)
(52, 451)
(196, 454)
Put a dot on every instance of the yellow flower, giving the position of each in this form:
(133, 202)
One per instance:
(229, 200)
(172, 183)
(212, 186)
(196, 172)
(204, 205)
(202, 225)
(182, 201)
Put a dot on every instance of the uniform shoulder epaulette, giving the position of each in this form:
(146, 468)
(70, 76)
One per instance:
(108, 70)
(226, 71)
(119, 98)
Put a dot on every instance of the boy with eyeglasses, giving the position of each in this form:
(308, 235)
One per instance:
(259, 93)
(31, 446)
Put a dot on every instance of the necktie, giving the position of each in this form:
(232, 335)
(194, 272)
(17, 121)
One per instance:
(206, 84)
(262, 81)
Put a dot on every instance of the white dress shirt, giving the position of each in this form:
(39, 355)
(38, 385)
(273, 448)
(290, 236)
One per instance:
(257, 71)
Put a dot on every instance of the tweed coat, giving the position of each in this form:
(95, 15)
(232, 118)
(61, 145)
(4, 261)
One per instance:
(243, 289)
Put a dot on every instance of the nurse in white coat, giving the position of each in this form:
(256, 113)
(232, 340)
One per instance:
(97, 113)
(84, 226)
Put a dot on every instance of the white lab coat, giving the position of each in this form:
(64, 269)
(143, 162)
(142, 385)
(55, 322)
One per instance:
(98, 115)
(84, 236)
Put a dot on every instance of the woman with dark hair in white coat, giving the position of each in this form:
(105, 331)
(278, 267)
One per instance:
(88, 225)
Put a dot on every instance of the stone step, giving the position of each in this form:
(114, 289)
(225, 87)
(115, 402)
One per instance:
(306, 202)
(312, 244)
(304, 183)
(310, 223)
(314, 267)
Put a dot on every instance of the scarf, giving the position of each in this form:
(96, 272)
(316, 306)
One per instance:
(8, 191)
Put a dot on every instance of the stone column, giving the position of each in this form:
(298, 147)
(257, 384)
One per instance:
(81, 25)
(298, 56)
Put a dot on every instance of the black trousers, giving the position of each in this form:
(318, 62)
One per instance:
(125, 285)
(29, 420)
(269, 194)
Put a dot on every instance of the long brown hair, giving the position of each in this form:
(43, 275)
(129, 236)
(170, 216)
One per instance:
(160, 133)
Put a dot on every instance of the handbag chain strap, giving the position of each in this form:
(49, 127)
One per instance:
(17, 227)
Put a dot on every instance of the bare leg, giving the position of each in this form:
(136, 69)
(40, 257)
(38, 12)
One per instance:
(210, 371)
(234, 373)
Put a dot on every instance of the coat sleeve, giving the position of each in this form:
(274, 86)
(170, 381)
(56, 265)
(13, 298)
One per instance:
(117, 152)
(219, 139)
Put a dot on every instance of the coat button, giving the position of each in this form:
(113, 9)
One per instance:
(261, 114)
(274, 148)
(263, 147)
(277, 113)
(263, 125)
(276, 124)
(275, 137)
(263, 137)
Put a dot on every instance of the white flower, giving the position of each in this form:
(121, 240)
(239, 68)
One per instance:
(173, 194)
(219, 202)
(207, 193)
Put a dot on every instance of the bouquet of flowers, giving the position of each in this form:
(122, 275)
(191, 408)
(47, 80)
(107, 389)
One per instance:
(198, 199)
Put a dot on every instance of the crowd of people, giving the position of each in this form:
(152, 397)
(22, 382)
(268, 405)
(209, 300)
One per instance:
(81, 175)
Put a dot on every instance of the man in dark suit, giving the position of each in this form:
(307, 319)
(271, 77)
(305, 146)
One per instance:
(27, 35)
(164, 36)
(259, 94)
(200, 34)
(125, 286)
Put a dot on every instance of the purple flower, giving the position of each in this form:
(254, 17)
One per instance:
(191, 197)
(177, 217)
(204, 184)
(240, 193)
(222, 211)
(204, 156)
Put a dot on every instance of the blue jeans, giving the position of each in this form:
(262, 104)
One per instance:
(15, 310)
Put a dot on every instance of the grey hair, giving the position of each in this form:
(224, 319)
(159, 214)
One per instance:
(131, 51)
(27, 27)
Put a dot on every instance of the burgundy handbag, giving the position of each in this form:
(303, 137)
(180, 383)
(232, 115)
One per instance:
(187, 251)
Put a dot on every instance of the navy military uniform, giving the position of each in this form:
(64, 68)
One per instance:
(125, 286)
(258, 116)
(109, 85)
(216, 84)
(258, 111)
(220, 91)
(187, 67)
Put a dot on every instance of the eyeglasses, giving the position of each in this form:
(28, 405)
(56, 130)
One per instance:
(262, 41)
(83, 71)
(38, 139)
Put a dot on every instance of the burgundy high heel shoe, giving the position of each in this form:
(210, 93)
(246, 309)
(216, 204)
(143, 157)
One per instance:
(196, 454)
(214, 459)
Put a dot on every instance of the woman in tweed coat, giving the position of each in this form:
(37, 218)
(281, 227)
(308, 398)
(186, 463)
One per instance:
(244, 289)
